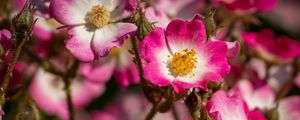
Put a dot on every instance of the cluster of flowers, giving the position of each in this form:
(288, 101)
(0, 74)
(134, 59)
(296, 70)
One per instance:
(232, 72)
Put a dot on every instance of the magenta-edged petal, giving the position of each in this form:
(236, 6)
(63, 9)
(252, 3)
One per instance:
(46, 96)
(48, 91)
(154, 74)
(222, 106)
(183, 32)
(256, 115)
(42, 29)
(216, 52)
(91, 71)
(84, 92)
(79, 43)
(153, 42)
(70, 12)
(289, 109)
(261, 97)
(264, 5)
(111, 35)
(249, 38)
(158, 17)
(233, 49)
(127, 75)
(124, 10)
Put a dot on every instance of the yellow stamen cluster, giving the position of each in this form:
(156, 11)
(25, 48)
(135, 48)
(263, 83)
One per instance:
(183, 62)
(98, 16)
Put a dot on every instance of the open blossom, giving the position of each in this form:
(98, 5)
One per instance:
(118, 63)
(223, 106)
(94, 26)
(184, 9)
(247, 5)
(181, 57)
(231, 106)
(281, 49)
(257, 94)
(48, 91)
(289, 108)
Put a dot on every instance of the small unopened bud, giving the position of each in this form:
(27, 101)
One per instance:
(194, 103)
(144, 26)
(24, 20)
(210, 24)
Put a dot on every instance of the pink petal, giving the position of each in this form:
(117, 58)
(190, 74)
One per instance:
(222, 106)
(111, 35)
(91, 71)
(70, 12)
(289, 109)
(79, 43)
(183, 32)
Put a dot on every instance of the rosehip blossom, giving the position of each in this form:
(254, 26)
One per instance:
(247, 5)
(223, 106)
(184, 9)
(257, 94)
(94, 26)
(231, 106)
(181, 57)
(48, 91)
(118, 63)
(289, 108)
(281, 49)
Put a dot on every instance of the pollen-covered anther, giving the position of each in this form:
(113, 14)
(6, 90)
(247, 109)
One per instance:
(98, 16)
(183, 62)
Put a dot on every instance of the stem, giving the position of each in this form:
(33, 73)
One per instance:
(69, 99)
(71, 73)
(35, 110)
(44, 63)
(152, 112)
(137, 57)
(194, 115)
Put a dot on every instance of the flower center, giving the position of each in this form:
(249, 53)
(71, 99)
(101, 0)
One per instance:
(183, 62)
(98, 16)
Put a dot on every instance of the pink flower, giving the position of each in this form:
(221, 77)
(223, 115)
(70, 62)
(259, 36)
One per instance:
(164, 50)
(247, 5)
(93, 25)
(158, 17)
(224, 106)
(48, 91)
(119, 63)
(289, 109)
(184, 9)
(281, 49)
(257, 94)
(233, 47)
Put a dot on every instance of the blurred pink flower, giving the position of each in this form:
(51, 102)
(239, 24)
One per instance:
(257, 94)
(158, 17)
(48, 91)
(184, 9)
(226, 106)
(94, 26)
(119, 63)
(233, 47)
(281, 49)
(289, 108)
(163, 51)
(247, 5)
